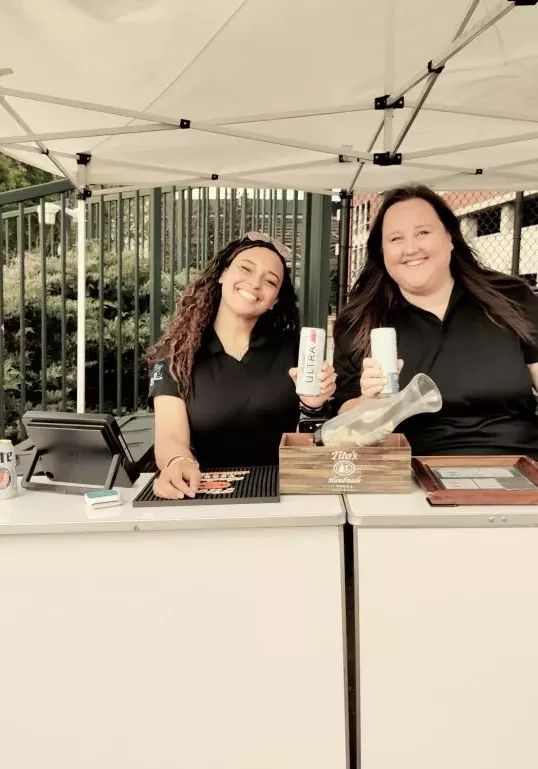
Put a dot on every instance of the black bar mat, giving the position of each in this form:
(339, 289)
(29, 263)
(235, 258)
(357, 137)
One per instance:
(218, 486)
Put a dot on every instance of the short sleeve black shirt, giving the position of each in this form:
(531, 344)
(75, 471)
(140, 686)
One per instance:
(238, 410)
(479, 366)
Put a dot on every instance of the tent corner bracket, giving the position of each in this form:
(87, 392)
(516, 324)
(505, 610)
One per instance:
(436, 70)
(384, 102)
(387, 159)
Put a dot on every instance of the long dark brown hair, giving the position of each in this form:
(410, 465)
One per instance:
(197, 309)
(375, 292)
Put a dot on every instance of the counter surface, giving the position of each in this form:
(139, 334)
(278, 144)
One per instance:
(414, 510)
(36, 512)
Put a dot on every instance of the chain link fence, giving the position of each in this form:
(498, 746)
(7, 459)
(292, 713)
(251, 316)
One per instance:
(502, 228)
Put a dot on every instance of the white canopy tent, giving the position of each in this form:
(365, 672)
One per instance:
(263, 93)
(315, 95)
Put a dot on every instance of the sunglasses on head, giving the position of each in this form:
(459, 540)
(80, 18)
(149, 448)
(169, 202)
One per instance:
(255, 237)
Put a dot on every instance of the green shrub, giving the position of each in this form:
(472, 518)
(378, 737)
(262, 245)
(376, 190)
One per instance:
(58, 396)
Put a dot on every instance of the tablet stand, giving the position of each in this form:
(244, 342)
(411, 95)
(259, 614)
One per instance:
(63, 488)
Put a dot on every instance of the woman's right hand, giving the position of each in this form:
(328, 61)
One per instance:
(178, 480)
(373, 379)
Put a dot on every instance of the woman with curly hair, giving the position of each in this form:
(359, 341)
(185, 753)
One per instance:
(223, 373)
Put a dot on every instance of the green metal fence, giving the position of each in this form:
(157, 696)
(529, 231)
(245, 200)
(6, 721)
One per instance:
(193, 224)
(143, 247)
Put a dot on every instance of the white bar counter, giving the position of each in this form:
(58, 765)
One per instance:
(447, 633)
(190, 637)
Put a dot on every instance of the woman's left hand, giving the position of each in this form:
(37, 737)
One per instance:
(327, 380)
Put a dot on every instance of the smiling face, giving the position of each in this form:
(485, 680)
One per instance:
(251, 283)
(416, 247)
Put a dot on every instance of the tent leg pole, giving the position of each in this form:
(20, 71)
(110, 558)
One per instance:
(516, 247)
(343, 249)
(81, 307)
(315, 274)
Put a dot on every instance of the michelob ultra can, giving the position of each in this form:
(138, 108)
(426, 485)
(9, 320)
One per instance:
(311, 357)
(384, 352)
(8, 470)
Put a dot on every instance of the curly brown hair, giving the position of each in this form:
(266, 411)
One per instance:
(197, 309)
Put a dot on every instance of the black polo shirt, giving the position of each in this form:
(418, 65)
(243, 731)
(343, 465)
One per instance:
(479, 367)
(238, 410)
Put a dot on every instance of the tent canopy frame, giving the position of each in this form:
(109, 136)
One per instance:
(394, 98)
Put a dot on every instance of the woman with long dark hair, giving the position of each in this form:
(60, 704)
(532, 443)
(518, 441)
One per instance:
(223, 371)
(474, 331)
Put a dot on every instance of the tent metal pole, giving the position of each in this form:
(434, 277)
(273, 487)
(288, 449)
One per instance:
(202, 181)
(515, 176)
(491, 142)
(138, 115)
(416, 109)
(83, 161)
(446, 181)
(280, 142)
(22, 124)
(370, 148)
(518, 218)
(441, 167)
(195, 126)
(498, 115)
(501, 9)
(343, 248)
(29, 148)
(188, 172)
(350, 108)
(105, 109)
(84, 133)
(240, 181)
(513, 164)
(81, 306)
(162, 124)
(431, 82)
(173, 121)
(266, 117)
(462, 171)
(156, 261)
(473, 5)
(288, 167)
(316, 241)
(35, 150)
(390, 63)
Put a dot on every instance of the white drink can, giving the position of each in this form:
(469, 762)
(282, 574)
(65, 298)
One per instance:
(384, 352)
(311, 357)
(8, 470)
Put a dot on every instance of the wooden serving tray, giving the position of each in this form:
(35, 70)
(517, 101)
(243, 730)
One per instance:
(478, 480)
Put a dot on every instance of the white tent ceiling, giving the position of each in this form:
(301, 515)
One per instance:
(278, 92)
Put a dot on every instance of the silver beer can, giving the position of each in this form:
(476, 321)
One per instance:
(8, 470)
(311, 357)
(384, 352)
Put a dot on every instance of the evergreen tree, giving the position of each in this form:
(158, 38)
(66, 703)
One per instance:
(14, 174)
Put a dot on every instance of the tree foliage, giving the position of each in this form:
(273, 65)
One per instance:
(102, 322)
(14, 174)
